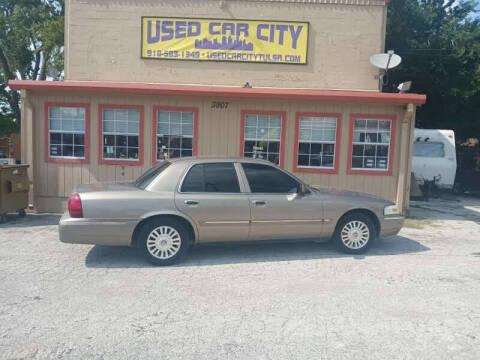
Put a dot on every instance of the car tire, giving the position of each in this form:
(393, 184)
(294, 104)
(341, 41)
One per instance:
(354, 233)
(163, 241)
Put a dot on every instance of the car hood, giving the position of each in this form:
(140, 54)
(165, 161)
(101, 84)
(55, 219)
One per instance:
(351, 194)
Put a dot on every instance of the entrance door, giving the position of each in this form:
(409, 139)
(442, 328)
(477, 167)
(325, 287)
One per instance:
(211, 195)
(278, 209)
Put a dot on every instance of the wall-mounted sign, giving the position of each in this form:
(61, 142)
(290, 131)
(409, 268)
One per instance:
(257, 41)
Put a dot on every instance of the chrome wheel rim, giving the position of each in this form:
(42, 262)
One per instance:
(355, 234)
(163, 242)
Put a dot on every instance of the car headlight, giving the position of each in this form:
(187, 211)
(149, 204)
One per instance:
(391, 210)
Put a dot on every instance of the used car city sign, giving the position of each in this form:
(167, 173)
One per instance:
(224, 40)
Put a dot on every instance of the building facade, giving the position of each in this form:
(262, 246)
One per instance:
(289, 81)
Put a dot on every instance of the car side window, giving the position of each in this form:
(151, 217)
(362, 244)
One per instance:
(211, 177)
(267, 179)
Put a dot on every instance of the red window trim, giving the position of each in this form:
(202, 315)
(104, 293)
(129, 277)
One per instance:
(49, 159)
(296, 168)
(282, 114)
(101, 160)
(387, 172)
(173, 108)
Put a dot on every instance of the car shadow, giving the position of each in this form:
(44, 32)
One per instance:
(15, 221)
(220, 254)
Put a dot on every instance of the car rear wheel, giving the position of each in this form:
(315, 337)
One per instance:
(163, 242)
(355, 233)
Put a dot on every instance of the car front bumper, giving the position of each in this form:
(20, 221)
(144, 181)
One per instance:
(106, 232)
(391, 225)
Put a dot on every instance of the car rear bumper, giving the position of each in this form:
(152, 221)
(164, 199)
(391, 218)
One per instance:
(99, 232)
(391, 225)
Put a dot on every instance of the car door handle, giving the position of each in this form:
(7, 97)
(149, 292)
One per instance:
(259, 202)
(191, 202)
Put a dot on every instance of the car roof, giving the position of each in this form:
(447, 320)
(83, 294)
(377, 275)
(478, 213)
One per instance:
(219, 159)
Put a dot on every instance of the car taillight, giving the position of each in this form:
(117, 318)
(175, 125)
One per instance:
(75, 206)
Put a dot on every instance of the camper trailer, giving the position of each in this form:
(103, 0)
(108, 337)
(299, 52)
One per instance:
(434, 159)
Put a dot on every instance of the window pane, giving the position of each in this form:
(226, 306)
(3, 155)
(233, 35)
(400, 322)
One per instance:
(194, 181)
(357, 162)
(108, 126)
(358, 150)
(360, 124)
(79, 139)
(79, 151)
(275, 122)
(315, 160)
(372, 125)
(133, 128)
(221, 177)
(327, 161)
(163, 129)
(187, 144)
(303, 160)
(55, 124)
(263, 121)
(132, 153)
(267, 179)
(67, 150)
(132, 141)
(55, 150)
(108, 114)
(163, 116)
(67, 139)
(273, 147)
(251, 120)
(175, 117)
(55, 138)
(121, 140)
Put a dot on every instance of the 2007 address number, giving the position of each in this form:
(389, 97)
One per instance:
(220, 104)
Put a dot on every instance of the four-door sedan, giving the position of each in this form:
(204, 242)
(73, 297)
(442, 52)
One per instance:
(200, 200)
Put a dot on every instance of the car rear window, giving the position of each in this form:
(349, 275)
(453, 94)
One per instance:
(211, 177)
(148, 176)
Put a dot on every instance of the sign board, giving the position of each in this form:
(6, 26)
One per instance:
(281, 42)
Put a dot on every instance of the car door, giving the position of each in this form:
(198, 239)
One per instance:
(213, 196)
(278, 210)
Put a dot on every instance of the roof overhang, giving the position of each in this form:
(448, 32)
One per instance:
(218, 91)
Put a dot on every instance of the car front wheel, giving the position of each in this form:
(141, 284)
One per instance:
(163, 242)
(355, 233)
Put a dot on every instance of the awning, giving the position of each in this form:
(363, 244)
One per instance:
(218, 91)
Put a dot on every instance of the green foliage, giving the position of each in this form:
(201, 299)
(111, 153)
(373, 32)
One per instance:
(31, 43)
(439, 42)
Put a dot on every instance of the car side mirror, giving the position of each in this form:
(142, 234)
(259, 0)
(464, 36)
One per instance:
(302, 189)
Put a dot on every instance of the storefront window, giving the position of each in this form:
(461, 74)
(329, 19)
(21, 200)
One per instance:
(263, 137)
(175, 131)
(66, 132)
(121, 133)
(316, 142)
(371, 144)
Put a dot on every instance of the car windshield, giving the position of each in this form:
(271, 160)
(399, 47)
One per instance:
(147, 177)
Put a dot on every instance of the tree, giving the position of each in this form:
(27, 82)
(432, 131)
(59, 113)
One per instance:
(439, 42)
(31, 43)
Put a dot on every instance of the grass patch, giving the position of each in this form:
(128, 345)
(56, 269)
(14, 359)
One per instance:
(418, 223)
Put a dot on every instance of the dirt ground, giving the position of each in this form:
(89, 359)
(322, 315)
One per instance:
(412, 296)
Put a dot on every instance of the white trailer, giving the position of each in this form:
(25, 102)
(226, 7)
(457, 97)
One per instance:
(434, 157)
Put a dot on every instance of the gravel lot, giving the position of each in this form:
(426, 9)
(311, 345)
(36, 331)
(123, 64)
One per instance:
(416, 295)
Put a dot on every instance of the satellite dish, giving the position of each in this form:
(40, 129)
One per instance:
(385, 61)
